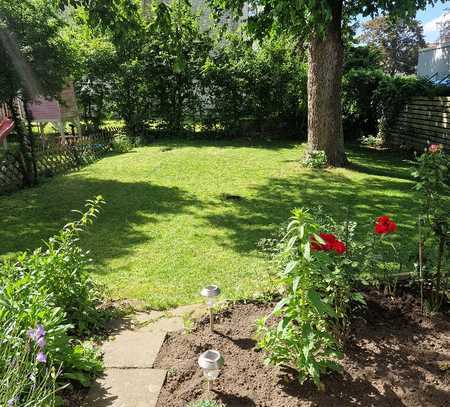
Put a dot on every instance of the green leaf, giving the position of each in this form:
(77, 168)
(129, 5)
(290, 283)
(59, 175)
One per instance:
(295, 284)
(321, 306)
(290, 266)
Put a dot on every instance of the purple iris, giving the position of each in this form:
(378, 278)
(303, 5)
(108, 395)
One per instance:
(37, 333)
(40, 331)
(41, 342)
(41, 357)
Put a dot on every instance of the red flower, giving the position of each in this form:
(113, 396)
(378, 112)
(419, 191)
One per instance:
(331, 243)
(339, 247)
(384, 225)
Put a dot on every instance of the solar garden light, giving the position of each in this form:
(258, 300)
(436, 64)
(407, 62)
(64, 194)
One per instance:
(211, 362)
(210, 292)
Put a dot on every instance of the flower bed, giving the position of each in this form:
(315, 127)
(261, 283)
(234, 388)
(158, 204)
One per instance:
(394, 357)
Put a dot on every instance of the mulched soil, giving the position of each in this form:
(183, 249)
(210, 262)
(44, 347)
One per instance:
(394, 357)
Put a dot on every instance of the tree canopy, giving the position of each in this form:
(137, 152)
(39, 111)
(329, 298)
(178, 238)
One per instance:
(398, 41)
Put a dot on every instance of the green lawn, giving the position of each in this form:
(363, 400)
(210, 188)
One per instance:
(167, 230)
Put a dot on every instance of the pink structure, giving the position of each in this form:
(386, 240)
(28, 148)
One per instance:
(45, 111)
(6, 125)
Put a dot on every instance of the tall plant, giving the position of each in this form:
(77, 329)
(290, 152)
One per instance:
(432, 176)
(314, 300)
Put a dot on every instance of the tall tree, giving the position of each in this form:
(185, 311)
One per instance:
(398, 40)
(35, 61)
(322, 22)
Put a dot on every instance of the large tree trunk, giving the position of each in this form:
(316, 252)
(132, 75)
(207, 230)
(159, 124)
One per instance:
(324, 90)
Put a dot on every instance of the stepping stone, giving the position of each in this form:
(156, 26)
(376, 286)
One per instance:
(133, 349)
(127, 388)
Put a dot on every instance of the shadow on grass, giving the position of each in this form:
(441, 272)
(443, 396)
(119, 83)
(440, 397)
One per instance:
(384, 163)
(362, 199)
(36, 214)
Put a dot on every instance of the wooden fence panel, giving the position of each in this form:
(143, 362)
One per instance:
(54, 156)
(423, 121)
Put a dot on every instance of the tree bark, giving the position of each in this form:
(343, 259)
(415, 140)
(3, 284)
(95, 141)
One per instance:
(325, 68)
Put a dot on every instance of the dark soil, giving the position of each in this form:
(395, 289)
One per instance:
(394, 357)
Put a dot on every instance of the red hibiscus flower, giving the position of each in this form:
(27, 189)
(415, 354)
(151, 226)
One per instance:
(330, 243)
(384, 225)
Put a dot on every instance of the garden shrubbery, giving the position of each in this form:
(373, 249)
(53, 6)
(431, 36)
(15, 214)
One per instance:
(48, 302)
(322, 266)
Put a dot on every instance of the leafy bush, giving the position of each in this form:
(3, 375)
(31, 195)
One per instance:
(47, 301)
(321, 264)
(121, 143)
(315, 159)
(372, 100)
(371, 141)
(303, 338)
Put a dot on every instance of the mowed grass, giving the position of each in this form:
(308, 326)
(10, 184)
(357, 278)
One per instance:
(168, 228)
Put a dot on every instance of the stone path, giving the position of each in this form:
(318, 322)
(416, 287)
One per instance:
(129, 354)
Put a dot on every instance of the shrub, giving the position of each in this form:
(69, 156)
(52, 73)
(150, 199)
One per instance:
(47, 301)
(315, 159)
(303, 338)
(320, 266)
(121, 143)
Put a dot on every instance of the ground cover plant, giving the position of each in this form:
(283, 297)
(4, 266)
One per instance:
(48, 308)
(170, 224)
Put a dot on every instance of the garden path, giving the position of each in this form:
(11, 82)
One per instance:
(129, 379)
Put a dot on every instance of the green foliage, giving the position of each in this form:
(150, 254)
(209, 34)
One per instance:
(51, 288)
(316, 290)
(122, 143)
(315, 159)
(307, 18)
(95, 65)
(432, 176)
(255, 86)
(372, 100)
(35, 58)
(23, 381)
(398, 42)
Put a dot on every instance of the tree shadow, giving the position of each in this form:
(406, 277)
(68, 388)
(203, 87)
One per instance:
(38, 213)
(231, 400)
(383, 163)
(359, 199)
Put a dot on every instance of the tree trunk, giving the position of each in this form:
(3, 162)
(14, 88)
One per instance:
(324, 90)
(26, 161)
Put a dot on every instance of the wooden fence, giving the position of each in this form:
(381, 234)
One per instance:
(55, 156)
(423, 121)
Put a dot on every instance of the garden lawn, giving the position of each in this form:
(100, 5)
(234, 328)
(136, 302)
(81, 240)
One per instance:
(170, 226)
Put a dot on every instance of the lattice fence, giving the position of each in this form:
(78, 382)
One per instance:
(56, 156)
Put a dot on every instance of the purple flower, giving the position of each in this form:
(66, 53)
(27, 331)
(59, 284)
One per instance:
(32, 334)
(41, 342)
(40, 331)
(37, 333)
(11, 402)
(41, 357)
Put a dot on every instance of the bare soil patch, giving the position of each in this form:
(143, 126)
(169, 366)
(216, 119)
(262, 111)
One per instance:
(394, 357)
